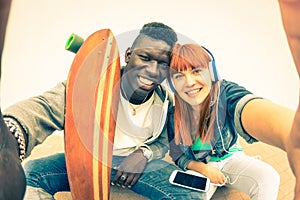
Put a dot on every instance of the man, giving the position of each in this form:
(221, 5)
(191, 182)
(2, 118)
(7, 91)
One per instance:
(290, 11)
(12, 184)
(139, 144)
(40, 113)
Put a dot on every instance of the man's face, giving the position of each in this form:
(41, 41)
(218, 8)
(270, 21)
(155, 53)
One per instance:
(147, 66)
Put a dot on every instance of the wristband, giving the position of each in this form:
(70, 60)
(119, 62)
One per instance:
(146, 153)
(16, 130)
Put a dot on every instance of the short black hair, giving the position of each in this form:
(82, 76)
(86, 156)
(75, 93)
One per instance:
(158, 31)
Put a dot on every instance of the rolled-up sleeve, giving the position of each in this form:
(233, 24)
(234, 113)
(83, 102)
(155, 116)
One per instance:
(237, 117)
(40, 116)
(183, 162)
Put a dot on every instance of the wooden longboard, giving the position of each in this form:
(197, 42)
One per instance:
(92, 95)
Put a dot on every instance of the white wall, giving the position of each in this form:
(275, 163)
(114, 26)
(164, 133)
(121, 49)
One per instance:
(245, 36)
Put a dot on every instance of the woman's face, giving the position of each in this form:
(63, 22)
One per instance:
(193, 85)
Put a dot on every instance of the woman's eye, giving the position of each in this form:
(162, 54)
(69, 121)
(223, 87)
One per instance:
(177, 76)
(197, 71)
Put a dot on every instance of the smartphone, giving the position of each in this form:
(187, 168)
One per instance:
(195, 181)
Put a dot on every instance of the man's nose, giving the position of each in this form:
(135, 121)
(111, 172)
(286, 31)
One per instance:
(153, 68)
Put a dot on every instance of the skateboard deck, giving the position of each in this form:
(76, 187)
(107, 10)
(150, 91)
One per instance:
(92, 95)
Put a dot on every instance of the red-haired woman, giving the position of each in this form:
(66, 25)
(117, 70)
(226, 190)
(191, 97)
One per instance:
(209, 115)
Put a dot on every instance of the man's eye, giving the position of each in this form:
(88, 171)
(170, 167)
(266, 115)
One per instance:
(163, 65)
(144, 58)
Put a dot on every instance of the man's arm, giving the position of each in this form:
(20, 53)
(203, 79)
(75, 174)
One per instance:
(39, 116)
(12, 178)
(4, 13)
(290, 12)
(134, 165)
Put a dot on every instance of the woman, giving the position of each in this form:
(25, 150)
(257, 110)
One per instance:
(207, 121)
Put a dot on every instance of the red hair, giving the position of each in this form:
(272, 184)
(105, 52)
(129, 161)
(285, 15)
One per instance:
(186, 57)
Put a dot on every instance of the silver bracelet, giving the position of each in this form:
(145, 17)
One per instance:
(16, 130)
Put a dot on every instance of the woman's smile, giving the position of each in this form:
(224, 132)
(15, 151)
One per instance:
(193, 93)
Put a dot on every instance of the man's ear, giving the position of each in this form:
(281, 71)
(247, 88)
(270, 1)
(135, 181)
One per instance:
(128, 54)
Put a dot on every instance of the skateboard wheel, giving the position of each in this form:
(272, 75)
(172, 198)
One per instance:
(74, 43)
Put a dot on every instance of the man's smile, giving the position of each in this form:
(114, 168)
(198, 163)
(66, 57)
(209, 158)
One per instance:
(145, 82)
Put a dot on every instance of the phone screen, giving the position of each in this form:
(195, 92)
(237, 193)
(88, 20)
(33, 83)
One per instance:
(190, 180)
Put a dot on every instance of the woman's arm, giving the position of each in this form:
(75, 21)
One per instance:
(267, 122)
(290, 12)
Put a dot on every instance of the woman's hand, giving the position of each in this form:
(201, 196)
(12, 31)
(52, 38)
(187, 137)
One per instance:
(214, 174)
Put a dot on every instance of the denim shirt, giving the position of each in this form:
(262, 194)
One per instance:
(231, 100)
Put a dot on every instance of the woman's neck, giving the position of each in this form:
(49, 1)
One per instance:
(196, 110)
(196, 113)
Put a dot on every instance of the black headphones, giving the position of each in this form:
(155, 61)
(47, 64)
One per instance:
(211, 66)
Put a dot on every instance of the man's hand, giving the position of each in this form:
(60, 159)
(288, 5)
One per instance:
(130, 170)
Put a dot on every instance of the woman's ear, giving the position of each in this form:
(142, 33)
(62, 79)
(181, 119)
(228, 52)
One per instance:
(128, 54)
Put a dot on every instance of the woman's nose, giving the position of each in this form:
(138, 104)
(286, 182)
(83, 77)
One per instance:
(190, 79)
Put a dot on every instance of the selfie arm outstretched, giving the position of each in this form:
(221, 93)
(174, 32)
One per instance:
(12, 178)
(290, 13)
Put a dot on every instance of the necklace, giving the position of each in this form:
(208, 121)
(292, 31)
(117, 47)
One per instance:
(134, 109)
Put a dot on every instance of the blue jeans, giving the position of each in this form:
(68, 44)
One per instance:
(46, 176)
